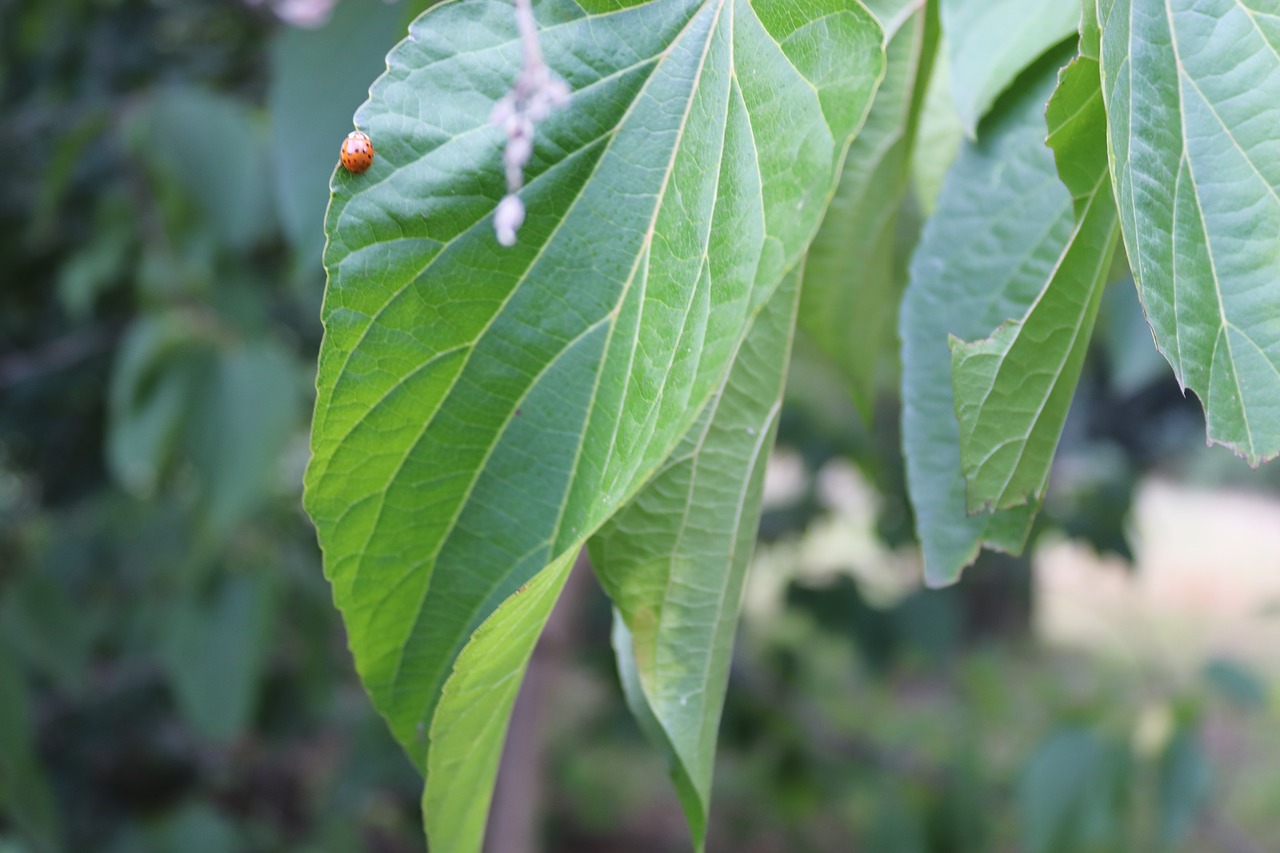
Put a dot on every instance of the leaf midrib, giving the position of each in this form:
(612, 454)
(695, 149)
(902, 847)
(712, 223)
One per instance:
(609, 317)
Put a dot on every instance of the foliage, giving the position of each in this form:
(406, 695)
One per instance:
(484, 413)
(722, 226)
(166, 651)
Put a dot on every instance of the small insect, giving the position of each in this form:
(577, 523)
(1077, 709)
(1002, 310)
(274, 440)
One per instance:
(357, 151)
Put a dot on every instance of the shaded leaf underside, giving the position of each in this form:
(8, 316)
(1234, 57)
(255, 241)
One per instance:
(1002, 221)
(1013, 389)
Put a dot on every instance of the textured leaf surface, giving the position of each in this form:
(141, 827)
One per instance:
(991, 42)
(1013, 389)
(1192, 90)
(852, 289)
(482, 411)
(470, 727)
(674, 560)
(1002, 221)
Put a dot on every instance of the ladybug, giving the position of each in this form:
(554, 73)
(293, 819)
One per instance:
(357, 152)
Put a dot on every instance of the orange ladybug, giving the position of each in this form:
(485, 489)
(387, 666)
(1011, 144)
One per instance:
(357, 152)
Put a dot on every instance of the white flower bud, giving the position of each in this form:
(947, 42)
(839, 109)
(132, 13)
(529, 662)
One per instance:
(519, 150)
(508, 218)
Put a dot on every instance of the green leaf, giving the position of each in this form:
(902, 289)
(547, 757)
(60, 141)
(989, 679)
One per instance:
(153, 383)
(238, 428)
(470, 726)
(216, 651)
(674, 560)
(1072, 794)
(1193, 100)
(1002, 221)
(482, 411)
(230, 407)
(310, 102)
(1185, 782)
(25, 797)
(215, 150)
(991, 42)
(938, 137)
(1013, 389)
(1238, 683)
(852, 286)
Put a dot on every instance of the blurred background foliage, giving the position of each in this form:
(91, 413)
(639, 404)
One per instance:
(173, 675)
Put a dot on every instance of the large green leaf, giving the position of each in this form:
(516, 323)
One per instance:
(1002, 221)
(991, 42)
(852, 288)
(482, 411)
(1192, 90)
(1013, 389)
(674, 560)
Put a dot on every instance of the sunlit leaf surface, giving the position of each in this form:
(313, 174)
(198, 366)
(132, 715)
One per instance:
(481, 411)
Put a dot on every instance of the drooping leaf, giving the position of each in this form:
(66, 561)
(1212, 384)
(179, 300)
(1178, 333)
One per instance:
(674, 560)
(228, 408)
(155, 378)
(1013, 389)
(991, 42)
(1002, 221)
(852, 286)
(482, 411)
(1192, 91)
